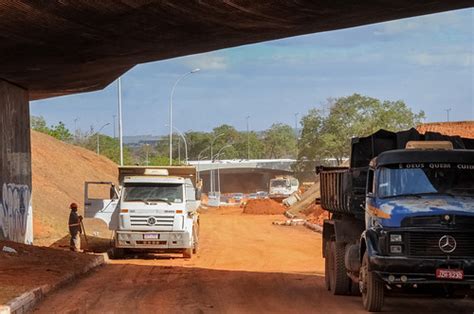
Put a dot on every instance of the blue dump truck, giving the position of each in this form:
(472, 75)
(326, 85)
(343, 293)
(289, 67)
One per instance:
(401, 217)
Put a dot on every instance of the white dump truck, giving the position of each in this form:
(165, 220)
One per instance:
(153, 209)
(282, 187)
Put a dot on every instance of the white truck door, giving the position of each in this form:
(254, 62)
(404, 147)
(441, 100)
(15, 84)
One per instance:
(106, 209)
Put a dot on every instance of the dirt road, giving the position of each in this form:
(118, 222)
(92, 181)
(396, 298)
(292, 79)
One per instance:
(245, 265)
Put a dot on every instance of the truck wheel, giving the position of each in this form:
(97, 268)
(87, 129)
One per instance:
(116, 253)
(327, 268)
(188, 253)
(372, 288)
(339, 282)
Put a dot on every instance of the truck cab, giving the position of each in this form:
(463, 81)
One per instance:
(282, 187)
(150, 211)
(419, 217)
(401, 216)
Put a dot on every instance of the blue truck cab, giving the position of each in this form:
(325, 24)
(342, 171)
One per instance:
(405, 219)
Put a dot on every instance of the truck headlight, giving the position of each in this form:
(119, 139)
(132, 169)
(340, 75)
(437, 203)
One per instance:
(395, 238)
(395, 249)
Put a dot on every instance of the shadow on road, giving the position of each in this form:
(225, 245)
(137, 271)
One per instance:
(146, 288)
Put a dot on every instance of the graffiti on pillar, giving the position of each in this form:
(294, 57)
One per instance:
(15, 212)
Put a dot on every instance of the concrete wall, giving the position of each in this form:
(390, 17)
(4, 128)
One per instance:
(16, 216)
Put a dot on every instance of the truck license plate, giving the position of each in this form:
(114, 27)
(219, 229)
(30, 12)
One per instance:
(151, 236)
(457, 274)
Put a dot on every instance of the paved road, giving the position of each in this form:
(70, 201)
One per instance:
(245, 265)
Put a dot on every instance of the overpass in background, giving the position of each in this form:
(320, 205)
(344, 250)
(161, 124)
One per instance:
(52, 48)
(242, 175)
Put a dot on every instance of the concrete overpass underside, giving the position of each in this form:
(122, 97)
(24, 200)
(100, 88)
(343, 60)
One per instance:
(51, 48)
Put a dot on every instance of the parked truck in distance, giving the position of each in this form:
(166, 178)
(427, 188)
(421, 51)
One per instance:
(153, 209)
(401, 216)
(282, 187)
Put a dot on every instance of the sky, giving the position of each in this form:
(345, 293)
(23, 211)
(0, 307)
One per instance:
(426, 61)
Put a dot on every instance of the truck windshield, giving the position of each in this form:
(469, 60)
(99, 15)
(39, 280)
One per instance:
(148, 192)
(279, 184)
(426, 178)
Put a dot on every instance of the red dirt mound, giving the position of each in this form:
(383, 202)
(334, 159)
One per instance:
(315, 214)
(263, 207)
(59, 171)
(461, 128)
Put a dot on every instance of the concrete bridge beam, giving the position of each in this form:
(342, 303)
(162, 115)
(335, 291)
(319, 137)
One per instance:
(16, 216)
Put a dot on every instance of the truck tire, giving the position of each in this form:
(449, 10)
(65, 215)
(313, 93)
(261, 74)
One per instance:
(116, 253)
(327, 268)
(188, 253)
(372, 289)
(339, 281)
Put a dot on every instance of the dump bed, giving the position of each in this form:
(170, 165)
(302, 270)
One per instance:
(175, 171)
(343, 189)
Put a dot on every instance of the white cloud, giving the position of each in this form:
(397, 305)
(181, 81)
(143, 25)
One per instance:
(463, 59)
(207, 61)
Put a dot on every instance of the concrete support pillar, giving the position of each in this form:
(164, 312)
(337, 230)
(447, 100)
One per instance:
(16, 215)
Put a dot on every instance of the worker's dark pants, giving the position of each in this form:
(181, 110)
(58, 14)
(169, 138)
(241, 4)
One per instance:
(75, 243)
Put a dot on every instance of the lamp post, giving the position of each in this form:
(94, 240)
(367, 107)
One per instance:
(248, 138)
(119, 96)
(98, 137)
(218, 172)
(171, 110)
(199, 158)
(185, 143)
(296, 133)
(212, 160)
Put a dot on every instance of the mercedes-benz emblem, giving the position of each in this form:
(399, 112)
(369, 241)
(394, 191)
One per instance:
(447, 244)
(151, 221)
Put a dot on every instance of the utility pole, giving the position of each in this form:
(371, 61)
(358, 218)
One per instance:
(115, 126)
(119, 91)
(75, 128)
(296, 133)
(171, 110)
(447, 114)
(248, 138)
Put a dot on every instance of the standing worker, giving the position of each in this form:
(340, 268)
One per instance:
(75, 229)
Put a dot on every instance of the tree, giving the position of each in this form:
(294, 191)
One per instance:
(279, 141)
(352, 116)
(58, 131)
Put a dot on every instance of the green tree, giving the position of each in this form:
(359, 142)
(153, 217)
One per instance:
(352, 116)
(279, 141)
(60, 132)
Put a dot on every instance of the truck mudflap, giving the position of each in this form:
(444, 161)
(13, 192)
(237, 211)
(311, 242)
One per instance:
(420, 270)
(153, 240)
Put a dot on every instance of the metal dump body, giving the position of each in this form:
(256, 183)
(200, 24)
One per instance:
(343, 189)
(173, 171)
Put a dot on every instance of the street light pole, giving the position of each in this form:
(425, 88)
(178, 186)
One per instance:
(114, 116)
(199, 158)
(248, 138)
(98, 137)
(447, 114)
(171, 110)
(218, 172)
(296, 133)
(119, 92)
(212, 160)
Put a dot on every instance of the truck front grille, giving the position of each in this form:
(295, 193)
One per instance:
(144, 220)
(427, 244)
